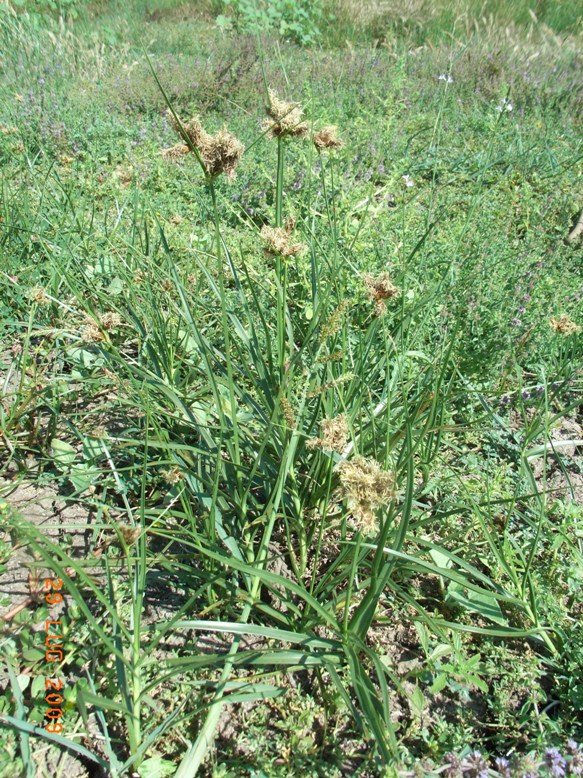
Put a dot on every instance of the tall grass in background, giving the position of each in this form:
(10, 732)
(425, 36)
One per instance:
(283, 415)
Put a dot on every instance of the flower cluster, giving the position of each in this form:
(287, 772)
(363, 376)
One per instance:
(219, 153)
(38, 295)
(94, 332)
(284, 119)
(334, 435)
(366, 488)
(380, 288)
(327, 138)
(564, 325)
(553, 764)
(277, 241)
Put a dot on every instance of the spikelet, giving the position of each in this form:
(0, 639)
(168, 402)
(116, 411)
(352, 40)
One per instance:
(380, 288)
(95, 333)
(174, 153)
(110, 320)
(342, 379)
(129, 534)
(327, 138)
(288, 412)
(333, 324)
(172, 475)
(564, 325)
(366, 488)
(277, 240)
(284, 119)
(38, 295)
(91, 333)
(220, 153)
(334, 435)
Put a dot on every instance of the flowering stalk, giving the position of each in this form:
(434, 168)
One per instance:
(281, 264)
(225, 327)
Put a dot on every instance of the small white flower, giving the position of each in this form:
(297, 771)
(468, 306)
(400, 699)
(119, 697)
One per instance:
(505, 105)
(408, 181)
(444, 77)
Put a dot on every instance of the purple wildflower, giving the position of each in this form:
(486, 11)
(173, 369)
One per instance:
(505, 400)
(525, 394)
(555, 762)
(515, 322)
(503, 766)
(475, 766)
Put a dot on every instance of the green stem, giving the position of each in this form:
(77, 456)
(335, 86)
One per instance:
(279, 184)
(226, 332)
(351, 583)
(280, 265)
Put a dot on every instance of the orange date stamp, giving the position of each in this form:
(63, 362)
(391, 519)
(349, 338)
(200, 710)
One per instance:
(53, 653)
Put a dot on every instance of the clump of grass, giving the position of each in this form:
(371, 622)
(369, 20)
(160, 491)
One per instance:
(301, 475)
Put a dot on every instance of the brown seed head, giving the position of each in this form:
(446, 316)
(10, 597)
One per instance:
(334, 435)
(129, 534)
(334, 323)
(173, 475)
(110, 320)
(91, 333)
(366, 488)
(284, 118)
(220, 153)
(327, 138)
(277, 240)
(380, 288)
(342, 379)
(564, 325)
(189, 131)
(174, 153)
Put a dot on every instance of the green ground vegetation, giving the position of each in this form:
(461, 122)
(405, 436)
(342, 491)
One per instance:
(322, 421)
